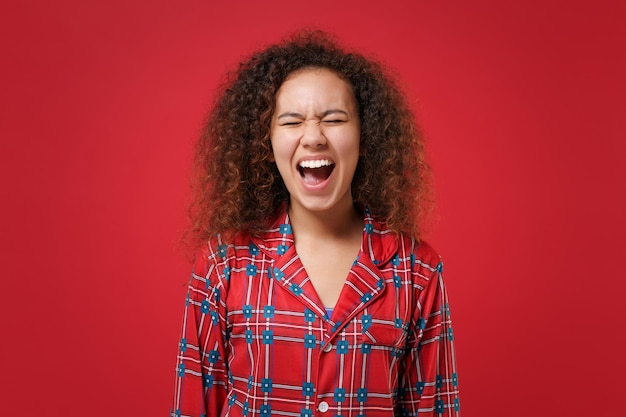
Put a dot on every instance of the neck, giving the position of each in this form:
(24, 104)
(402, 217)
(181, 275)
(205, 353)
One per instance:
(340, 223)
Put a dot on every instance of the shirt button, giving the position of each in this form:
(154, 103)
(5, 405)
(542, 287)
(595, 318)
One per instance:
(323, 407)
(327, 349)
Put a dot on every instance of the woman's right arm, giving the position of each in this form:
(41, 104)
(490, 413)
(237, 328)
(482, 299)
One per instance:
(201, 373)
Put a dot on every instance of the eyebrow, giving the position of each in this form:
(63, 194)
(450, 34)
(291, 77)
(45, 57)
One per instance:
(326, 113)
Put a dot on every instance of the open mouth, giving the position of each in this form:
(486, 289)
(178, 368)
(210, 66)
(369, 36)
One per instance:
(315, 172)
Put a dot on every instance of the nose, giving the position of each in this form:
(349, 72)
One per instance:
(313, 136)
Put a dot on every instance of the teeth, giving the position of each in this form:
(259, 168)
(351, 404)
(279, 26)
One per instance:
(315, 164)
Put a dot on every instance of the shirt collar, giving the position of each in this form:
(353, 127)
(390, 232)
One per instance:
(379, 242)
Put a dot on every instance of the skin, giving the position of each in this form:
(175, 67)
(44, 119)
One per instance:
(316, 119)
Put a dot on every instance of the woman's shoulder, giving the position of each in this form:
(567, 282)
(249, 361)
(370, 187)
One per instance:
(215, 257)
(422, 255)
(222, 248)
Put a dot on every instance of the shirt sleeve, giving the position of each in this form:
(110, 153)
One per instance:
(201, 373)
(429, 382)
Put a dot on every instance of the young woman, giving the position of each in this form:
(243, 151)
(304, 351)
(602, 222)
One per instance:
(311, 293)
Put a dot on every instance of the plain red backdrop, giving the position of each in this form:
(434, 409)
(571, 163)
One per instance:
(523, 107)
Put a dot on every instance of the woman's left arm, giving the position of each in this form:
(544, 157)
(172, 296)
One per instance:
(429, 382)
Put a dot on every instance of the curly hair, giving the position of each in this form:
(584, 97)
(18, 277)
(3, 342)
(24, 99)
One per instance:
(237, 187)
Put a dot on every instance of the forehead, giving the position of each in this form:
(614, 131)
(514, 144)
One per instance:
(318, 85)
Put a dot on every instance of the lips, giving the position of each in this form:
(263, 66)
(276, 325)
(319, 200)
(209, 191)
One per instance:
(315, 171)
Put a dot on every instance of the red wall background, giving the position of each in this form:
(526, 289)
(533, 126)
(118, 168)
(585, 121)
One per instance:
(523, 105)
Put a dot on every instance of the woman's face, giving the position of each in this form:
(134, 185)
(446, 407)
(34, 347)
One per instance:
(315, 135)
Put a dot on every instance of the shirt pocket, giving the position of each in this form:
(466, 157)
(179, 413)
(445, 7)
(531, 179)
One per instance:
(388, 333)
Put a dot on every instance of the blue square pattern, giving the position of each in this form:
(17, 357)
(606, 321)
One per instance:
(397, 352)
(247, 311)
(251, 270)
(248, 336)
(307, 389)
(366, 321)
(246, 406)
(361, 395)
(421, 323)
(309, 315)
(306, 413)
(266, 385)
(336, 326)
(420, 387)
(215, 318)
(266, 410)
(204, 306)
(309, 341)
(439, 406)
(342, 347)
(268, 312)
(213, 356)
(207, 381)
(296, 289)
(396, 281)
(285, 229)
(268, 337)
(221, 251)
(366, 348)
(253, 250)
(282, 249)
(278, 274)
(340, 395)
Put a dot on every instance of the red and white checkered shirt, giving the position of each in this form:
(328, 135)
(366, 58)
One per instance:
(257, 340)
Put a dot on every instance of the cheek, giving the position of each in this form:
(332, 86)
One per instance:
(350, 149)
(281, 156)
(283, 145)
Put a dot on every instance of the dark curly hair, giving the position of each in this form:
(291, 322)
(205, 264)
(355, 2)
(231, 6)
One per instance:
(237, 187)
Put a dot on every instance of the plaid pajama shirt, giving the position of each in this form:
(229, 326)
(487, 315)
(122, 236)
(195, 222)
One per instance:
(257, 340)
